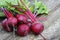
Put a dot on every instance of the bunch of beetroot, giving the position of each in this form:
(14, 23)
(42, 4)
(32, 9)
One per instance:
(24, 23)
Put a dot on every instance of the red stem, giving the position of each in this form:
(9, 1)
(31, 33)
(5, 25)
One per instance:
(26, 12)
(7, 12)
(43, 37)
(29, 12)
(43, 19)
(30, 17)
(19, 9)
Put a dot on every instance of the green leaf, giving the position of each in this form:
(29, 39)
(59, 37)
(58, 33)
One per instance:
(27, 2)
(3, 2)
(42, 9)
(1, 14)
(13, 9)
(46, 9)
(14, 2)
(32, 8)
(39, 4)
(39, 10)
(35, 3)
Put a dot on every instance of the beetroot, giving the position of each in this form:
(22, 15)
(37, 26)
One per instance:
(11, 20)
(29, 24)
(37, 28)
(5, 26)
(21, 18)
(35, 25)
(23, 30)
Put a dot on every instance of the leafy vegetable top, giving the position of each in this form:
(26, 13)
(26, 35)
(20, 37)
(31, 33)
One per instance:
(39, 7)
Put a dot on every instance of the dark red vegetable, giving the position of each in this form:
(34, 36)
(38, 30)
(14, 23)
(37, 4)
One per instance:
(31, 16)
(28, 12)
(23, 30)
(11, 20)
(29, 22)
(35, 26)
(21, 18)
(5, 26)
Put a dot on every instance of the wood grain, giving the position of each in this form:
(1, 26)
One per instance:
(51, 31)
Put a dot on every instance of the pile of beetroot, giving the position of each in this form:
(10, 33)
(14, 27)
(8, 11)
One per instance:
(23, 23)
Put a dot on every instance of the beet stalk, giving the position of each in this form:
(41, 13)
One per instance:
(5, 26)
(10, 18)
(37, 28)
(29, 12)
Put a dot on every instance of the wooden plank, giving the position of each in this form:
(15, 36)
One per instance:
(53, 31)
(51, 3)
(54, 9)
(3, 34)
(52, 17)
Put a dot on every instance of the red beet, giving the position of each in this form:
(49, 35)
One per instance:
(23, 30)
(11, 20)
(37, 28)
(21, 18)
(5, 26)
(28, 12)
(29, 22)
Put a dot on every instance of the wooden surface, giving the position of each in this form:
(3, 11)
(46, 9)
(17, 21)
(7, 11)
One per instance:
(52, 25)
